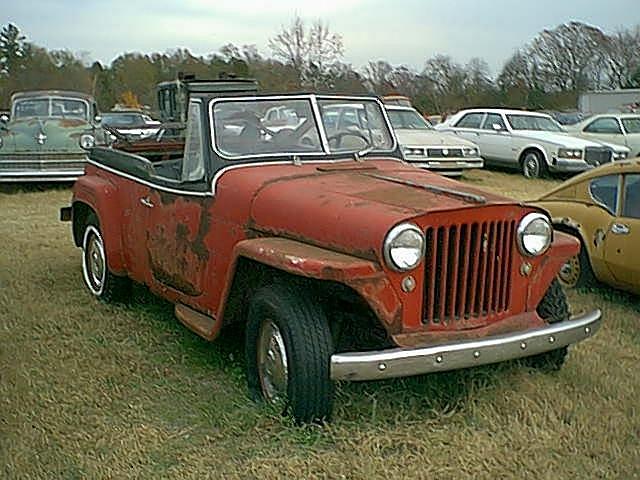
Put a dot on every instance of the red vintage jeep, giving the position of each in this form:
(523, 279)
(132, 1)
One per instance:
(341, 261)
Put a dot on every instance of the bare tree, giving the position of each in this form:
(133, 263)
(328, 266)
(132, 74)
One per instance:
(313, 52)
(569, 57)
(623, 58)
(378, 77)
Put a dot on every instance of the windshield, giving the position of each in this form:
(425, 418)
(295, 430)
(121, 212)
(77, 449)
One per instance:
(533, 122)
(631, 125)
(408, 119)
(286, 126)
(122, 119)
(51, 107)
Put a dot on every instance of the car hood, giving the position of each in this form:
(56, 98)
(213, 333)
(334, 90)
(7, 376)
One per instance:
(349, 207)
(559, 138)
(430, 138)
(58, 134)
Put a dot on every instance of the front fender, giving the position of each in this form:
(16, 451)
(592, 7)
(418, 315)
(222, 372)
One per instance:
(101, 196)
(364, 276)
(545, 269)
(535, 146)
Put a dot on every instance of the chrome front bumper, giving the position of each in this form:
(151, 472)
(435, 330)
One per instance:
(444, 164)
(38, 167)
(400, 362)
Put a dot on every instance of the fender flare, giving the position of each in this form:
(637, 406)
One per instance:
(101, 196)
(534, 146)
(365, 277)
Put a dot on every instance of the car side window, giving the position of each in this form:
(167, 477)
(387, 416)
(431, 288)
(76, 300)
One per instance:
(604, 191)
(470, 120)
(493, 119)
(631, 207)
(604, 125)
(193, 163)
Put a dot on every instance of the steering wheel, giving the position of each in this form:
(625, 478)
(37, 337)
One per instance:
(340, 135)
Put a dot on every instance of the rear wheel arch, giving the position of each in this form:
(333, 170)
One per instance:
(80, 215)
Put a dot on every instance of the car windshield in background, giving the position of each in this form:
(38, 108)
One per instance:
(533, 122)
(408, 120)
(631, 125)
(51, 107)
(122, 119)
(277, 126)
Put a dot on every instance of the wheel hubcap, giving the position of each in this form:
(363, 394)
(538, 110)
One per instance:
(272, 363)
(570, 272)
(531, 166)
(94, 264)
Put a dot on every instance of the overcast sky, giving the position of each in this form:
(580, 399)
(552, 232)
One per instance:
(400, 31)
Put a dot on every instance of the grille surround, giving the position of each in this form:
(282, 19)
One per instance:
(597, 155)
(468, 273)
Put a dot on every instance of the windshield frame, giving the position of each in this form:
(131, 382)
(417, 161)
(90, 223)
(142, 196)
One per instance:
(50, 99)
(319, 125)
(402, 109)
(553, 121)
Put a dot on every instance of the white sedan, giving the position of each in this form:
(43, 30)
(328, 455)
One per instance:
(622, 128)
(425, 147)
(531, 142)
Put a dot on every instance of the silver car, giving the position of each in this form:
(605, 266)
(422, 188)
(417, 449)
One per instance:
(531, 142)
(425, 147)
(622, 128)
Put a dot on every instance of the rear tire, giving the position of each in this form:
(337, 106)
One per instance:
(553, 308)
(101, 283)
(288, 349)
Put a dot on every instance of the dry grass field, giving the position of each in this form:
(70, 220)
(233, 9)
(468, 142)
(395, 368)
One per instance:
(94, 391)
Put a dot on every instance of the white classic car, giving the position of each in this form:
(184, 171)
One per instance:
(622, 128)
(531, 142)
(425, 147)
(133, 125)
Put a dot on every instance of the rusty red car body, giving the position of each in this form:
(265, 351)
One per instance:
(324, 221)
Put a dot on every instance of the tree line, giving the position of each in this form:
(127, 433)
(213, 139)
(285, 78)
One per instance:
(548, 72)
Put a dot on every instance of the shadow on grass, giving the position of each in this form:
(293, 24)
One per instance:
(20, 188)
(434, 397)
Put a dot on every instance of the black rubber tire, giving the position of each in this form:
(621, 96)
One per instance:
(112, 288)
(586, 278)
(533, 155)
(553, 308)
(308, 344)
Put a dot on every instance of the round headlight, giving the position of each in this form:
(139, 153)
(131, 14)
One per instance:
(404, 247)
(534, 234)
(87, 141)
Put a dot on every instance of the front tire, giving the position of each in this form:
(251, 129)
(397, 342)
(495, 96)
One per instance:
(577, 271)
(288, 350)
(101, 283)
(533, 165)
(553, 308)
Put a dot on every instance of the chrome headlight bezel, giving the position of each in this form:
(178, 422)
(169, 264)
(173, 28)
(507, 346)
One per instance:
(525, 224)
(87, 141)
(413, 151)
(470, 152)
(391, 241)
(619, 155)
(570, 153)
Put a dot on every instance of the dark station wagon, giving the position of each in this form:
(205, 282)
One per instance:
(341, 261)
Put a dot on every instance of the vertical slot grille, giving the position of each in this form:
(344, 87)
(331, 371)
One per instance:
(468, 271)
